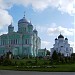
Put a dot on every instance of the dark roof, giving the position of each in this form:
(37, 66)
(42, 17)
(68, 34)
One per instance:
(66, 39)
(60, 36)
(56, 39)
(34, 30)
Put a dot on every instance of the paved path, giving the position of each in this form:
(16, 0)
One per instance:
(7, 72)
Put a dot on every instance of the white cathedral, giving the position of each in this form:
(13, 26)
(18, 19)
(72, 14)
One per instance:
(62, 46)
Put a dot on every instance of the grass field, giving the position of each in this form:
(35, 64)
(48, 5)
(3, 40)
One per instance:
(54, 68)
(38, 65)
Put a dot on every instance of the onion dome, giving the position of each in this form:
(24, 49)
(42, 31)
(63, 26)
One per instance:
(30, 24)
(66, 39)
(10, 25)
(23, 20)
(60, 36)
(34, 30)
(56, 39)
(30, 27)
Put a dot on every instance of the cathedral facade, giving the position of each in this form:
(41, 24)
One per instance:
(62, 46)
(24, 42)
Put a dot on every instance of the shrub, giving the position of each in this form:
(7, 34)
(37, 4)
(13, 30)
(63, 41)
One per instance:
(7, 62)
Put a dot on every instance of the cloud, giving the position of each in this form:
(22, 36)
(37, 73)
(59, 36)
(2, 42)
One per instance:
(5, 18)
(54, 29)
(3, 32)
(5, 4)
(58, 29)
(42, 28)
(36, 4)
(45, 44)
(66, 6)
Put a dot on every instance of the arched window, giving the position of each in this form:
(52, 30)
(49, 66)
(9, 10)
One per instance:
(3, 42)
(25, 29)
(26, 41)
(16, 41)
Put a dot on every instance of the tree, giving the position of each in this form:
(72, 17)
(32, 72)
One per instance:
(73, 57)
(55, 55)
(60, 56)
(48, 52)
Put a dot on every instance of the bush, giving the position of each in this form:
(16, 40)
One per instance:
(7, 62)
(22, 64)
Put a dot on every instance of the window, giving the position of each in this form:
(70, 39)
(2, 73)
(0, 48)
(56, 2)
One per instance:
(3, 42)
(66, 50)
(61, 46)
(16, 41)
(9, 41)
(25, 29)
(26, 41)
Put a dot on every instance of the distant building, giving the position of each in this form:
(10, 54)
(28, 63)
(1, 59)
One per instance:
(42, 52)
(24, 42)
(61, 46)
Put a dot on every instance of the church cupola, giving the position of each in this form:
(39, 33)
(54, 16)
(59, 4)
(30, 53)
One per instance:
(10, 28)
(30, 27)
(60, 36)
(66, 40)
(23, 25)
(56, 40)
(23, 20)
(35, 31)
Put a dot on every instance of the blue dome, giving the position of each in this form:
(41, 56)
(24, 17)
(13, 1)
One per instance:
(23, 20)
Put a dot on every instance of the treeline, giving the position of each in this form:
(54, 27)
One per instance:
(59, 58)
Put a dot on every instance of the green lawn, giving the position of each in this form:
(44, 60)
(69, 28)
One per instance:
(55, 68)
(38, 65)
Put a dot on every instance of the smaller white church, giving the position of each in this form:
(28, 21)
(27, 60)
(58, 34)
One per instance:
(62, 46)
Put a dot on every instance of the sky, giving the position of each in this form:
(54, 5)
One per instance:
(49, 17)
